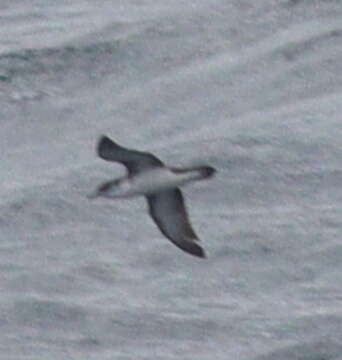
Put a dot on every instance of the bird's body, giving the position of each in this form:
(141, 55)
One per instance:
(148, 176)
(148, 182)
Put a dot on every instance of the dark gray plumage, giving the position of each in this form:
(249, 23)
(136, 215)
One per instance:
(148, 176)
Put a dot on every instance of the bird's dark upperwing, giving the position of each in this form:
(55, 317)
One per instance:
(167, 209)
(135, 161)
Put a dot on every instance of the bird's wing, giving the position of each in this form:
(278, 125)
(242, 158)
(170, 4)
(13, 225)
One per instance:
(134, 161)
(168, 210)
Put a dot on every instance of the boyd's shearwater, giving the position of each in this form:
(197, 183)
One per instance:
(148, 176)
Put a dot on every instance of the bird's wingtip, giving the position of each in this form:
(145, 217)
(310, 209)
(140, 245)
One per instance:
(194, 249)
(201, 254)
(106, 147)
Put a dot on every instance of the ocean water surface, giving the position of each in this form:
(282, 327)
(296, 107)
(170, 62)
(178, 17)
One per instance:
(253, 88)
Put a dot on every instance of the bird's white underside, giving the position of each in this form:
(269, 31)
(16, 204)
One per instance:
(152, 181)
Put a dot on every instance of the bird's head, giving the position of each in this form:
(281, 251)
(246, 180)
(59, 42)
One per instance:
(108, 189)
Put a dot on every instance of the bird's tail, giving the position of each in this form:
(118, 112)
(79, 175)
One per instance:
(201, 171)
(207, 171)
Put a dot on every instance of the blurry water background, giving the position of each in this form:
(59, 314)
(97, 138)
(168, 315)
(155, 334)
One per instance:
(253, 88)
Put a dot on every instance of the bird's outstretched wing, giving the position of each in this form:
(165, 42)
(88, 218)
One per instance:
(168, 210)
(134, 161)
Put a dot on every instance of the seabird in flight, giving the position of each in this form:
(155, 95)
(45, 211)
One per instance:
(148, 176)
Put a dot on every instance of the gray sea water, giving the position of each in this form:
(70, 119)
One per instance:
(253, 88)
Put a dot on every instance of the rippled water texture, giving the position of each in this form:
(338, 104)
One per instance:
(253, 88)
